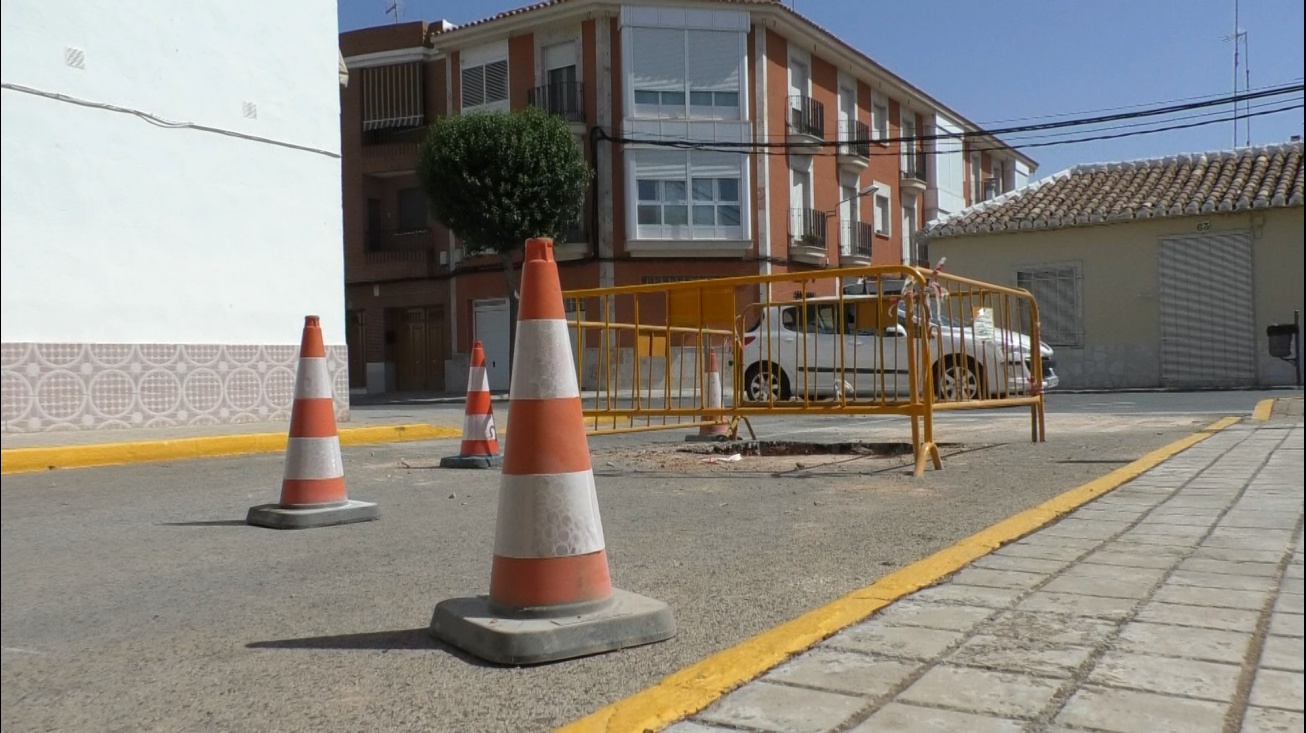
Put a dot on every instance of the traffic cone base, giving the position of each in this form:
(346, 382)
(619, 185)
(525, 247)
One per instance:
(551, 596)
(623, 620)
(313, 484)
(275, 516)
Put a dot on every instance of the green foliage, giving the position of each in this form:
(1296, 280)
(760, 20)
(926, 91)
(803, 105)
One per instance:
(497, 179)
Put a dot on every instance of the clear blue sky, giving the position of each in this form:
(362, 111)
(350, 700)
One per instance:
(1030, 58)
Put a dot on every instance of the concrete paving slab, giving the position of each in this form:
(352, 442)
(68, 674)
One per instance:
(1206, 617)
(1189, 595)
(1075, 604)
(1225, 567)
(1184, 677)
(1206, 644)
(1021, 655)
(1052, 628)
(1289, 603)
(1277, 689)
(981, 691)
(967, 595)
(1286, 624)
(904, 642)
(1223, 581)
(934, 615)
(1269, 720)
(1129, 711)
(901, 718)
(1097, 585)
(1131, 559)
(998, 578)
(840, 671)
(783, 709)
(1282, 652)
(1041, 551)
(1020, 564)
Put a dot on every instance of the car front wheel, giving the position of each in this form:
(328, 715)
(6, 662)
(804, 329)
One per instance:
(766, 383)
(957, 380)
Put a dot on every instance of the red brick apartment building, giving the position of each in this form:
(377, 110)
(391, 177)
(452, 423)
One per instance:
(720, 71)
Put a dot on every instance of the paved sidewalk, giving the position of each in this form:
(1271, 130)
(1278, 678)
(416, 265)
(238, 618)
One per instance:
(1172, 604)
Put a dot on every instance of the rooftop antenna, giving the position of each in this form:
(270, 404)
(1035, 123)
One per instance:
(393, 7)
(1240, 36)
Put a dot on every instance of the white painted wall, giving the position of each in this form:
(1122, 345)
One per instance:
(117, 230)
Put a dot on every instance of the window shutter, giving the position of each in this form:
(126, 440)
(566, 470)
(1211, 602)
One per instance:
(659, 59)
(473, 86)
(559, 56)
(392, 96)
(714, 61)
(660, 164)
(496, 81)
(715, 165)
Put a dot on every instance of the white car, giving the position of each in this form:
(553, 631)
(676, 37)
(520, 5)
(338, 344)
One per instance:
(824, 349)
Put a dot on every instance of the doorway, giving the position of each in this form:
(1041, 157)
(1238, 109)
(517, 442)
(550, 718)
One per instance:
(490, 326)
(420, 350)
(356, 344)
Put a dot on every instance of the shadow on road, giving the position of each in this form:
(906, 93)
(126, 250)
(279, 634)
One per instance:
(403, 639)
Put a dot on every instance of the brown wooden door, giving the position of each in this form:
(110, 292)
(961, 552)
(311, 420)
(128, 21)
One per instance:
(420, 350)
(356, 342)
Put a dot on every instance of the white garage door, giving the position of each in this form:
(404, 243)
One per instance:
(490, 324)
(1208, 329)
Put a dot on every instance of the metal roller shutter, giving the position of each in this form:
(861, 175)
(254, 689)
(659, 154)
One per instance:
(1208, 327)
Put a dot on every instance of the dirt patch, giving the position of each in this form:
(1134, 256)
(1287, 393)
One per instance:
(756, 458)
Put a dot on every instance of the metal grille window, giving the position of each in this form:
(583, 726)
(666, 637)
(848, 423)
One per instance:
(485, 86)
(1057, 289)
(392, 96)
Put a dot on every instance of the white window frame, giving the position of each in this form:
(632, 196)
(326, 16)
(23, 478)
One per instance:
(905, 116)
(880, 116)
(685, 110)
(689, 231)
(883, 224)
(1069, 277)
(482, 57)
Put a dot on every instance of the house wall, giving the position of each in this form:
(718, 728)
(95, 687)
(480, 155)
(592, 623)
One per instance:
(1120, 287)
(158, 275)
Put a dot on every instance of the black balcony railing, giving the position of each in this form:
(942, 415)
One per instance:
(913, 166)
(400, 240)
(856, 239)
(807, 116)
(808, 228)
(855, 138)
(565, 99)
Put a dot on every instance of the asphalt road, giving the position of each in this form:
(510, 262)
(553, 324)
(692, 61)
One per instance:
(135, 598)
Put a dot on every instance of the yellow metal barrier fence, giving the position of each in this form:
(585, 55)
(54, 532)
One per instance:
(908, 342)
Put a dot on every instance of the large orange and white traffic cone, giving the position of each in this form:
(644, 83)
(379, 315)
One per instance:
(550, 595)
(480, 448)
(313, 484)
(717, 427)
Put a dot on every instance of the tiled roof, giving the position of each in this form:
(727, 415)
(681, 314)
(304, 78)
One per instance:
(1180, 185)
(549, 3)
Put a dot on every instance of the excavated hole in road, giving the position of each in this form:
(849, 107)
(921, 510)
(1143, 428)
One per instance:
(780, 448)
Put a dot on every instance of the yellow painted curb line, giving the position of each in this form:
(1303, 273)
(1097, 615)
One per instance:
(695, 687)
(26, 460)
(1263, 410)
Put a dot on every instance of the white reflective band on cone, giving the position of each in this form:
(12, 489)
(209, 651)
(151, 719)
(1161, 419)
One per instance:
(545, 369)
(313, 382)
(477, 381)
(478, 427)
(548, 515)
(309, 458)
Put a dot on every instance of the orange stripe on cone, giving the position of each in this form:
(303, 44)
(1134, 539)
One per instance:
(313, 418)
(549, 548)
(312, 492)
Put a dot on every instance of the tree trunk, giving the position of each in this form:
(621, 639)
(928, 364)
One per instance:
(513, 298)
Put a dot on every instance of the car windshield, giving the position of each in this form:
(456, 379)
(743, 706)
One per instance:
(936, 318)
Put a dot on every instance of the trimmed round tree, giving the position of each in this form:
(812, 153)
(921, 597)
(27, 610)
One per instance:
(497, 179)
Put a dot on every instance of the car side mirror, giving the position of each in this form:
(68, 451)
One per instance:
(897, 331)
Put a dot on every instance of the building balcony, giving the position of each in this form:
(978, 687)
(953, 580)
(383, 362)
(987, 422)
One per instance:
(806, 125)
(564, 99)
(913, 173)
(854, 146)
(855, 238)
(807, 241)
(575, 242)
(396, 254)
(390, 151)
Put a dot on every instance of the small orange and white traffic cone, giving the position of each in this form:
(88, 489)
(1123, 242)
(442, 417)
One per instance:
(313, 485)
(718, 428)
(480, 448)
(550, 595)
